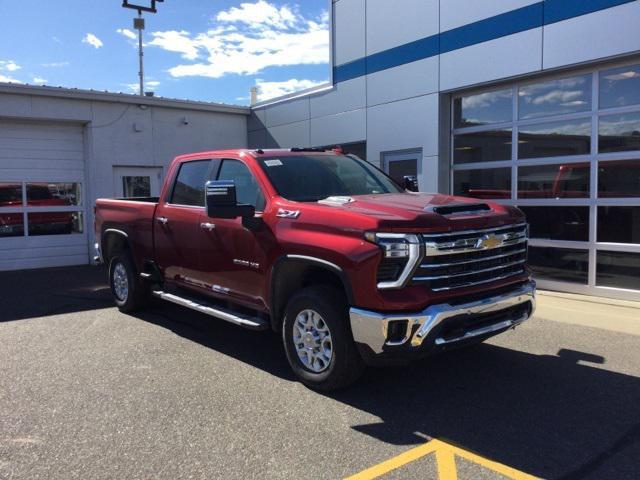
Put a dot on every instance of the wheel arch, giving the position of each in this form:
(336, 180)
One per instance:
(293, 272)
(113, 241)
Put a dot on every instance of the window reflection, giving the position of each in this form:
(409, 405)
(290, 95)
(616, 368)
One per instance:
(54, 223)
(555, 97)
(555, 139)
(482, 146)
(620, 87)
(485, 183)
(560, 264)
(619, 179)
(136, 186)
(11, 225)
(554, 181)
(618, 133)
(619, 224)
(558, 223)
(189, 187)
(10, 195)
(53, 194)
(618, 269)
(483, 109)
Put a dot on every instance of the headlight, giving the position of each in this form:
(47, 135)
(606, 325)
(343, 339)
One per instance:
(401, 253)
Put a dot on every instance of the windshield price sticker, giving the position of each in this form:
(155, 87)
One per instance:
(273, 163)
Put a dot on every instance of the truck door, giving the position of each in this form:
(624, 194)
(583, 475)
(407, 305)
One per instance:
(232, 256)
(176, 224)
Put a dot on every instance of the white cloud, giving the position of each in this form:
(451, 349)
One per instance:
(39, 80)
(259, 13)
(561, 97)
(55, 64)
(248, 39)
(127, 33)
(149, 86)
(9, 65)
(268, 90)
(176, 41)
(92, 40)
(7, 79)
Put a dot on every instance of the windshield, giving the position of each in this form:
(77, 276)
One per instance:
(309, 178)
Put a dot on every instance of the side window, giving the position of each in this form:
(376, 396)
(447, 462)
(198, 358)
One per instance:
(189, 186)
(247, 189)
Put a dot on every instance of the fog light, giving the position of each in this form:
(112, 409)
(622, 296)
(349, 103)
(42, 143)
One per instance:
(397, 331)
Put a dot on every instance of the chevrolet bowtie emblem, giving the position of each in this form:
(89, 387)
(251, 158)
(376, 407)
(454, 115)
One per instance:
(488, 241)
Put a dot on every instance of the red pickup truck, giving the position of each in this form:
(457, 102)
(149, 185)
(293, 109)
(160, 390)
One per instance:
(325, 249)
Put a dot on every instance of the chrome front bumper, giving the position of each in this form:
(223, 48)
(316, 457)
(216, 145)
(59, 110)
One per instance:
(371, 328)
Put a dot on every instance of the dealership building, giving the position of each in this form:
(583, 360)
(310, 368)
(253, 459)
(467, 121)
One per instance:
(528, 103)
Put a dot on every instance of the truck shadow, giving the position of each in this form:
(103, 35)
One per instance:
(546, 415)
(53, 291)
(554, 416)
(560, 416)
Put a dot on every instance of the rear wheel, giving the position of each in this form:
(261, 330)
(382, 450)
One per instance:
(129, 291)
(318, 340)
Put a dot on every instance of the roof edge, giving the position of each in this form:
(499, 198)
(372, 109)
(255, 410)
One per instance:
(79, 94)
(307, 92)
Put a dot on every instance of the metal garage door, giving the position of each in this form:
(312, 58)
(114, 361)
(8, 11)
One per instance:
(42, 195)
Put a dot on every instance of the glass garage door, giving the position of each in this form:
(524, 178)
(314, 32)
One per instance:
(42, 195)
(566, 150)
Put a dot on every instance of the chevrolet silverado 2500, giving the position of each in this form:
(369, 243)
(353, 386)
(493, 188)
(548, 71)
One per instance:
(325, 249)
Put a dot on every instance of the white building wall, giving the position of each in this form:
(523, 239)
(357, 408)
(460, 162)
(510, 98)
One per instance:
(348, 30)
(505, 57)
(121, 130)
(390, 24)
(603, 34)
(457, 13)
(398, 108)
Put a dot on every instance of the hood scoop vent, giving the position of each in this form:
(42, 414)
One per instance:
(461, 209)
(336, 201)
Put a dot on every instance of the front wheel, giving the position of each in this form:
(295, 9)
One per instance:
(129, 292)
(318, 340)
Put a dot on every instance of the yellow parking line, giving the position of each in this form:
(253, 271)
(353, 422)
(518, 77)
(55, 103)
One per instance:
(395, 462)
(445, 460)
(446, 464)
(495, 466)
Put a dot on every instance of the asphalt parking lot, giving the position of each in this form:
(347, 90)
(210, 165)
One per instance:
(88, 392)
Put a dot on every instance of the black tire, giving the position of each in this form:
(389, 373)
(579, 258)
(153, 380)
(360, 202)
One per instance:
(346, 365)
(137, 291)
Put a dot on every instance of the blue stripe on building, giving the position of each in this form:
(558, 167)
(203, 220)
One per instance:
(519, 20)
(507, 23)
(558, 10)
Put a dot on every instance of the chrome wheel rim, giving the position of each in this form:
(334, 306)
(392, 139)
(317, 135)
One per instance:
(120, 282)
(312, 340)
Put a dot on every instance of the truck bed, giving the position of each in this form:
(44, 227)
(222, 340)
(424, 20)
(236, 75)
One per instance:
(134, 217)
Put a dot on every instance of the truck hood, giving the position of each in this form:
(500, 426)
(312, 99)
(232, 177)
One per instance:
(426, 210)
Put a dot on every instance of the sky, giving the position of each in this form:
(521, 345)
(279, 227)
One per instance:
(207, 50)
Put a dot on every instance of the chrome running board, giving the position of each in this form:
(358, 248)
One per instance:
(249, 322)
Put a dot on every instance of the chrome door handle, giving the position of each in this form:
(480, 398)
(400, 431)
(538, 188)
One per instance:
(208, 226)
(162, 220)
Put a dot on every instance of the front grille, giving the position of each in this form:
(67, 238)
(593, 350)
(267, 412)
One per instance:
(464, 259)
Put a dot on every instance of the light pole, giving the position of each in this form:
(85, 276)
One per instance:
(138, 24)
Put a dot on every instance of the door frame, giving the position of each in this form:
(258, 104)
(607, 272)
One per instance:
(406, 154)
(120, 171)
